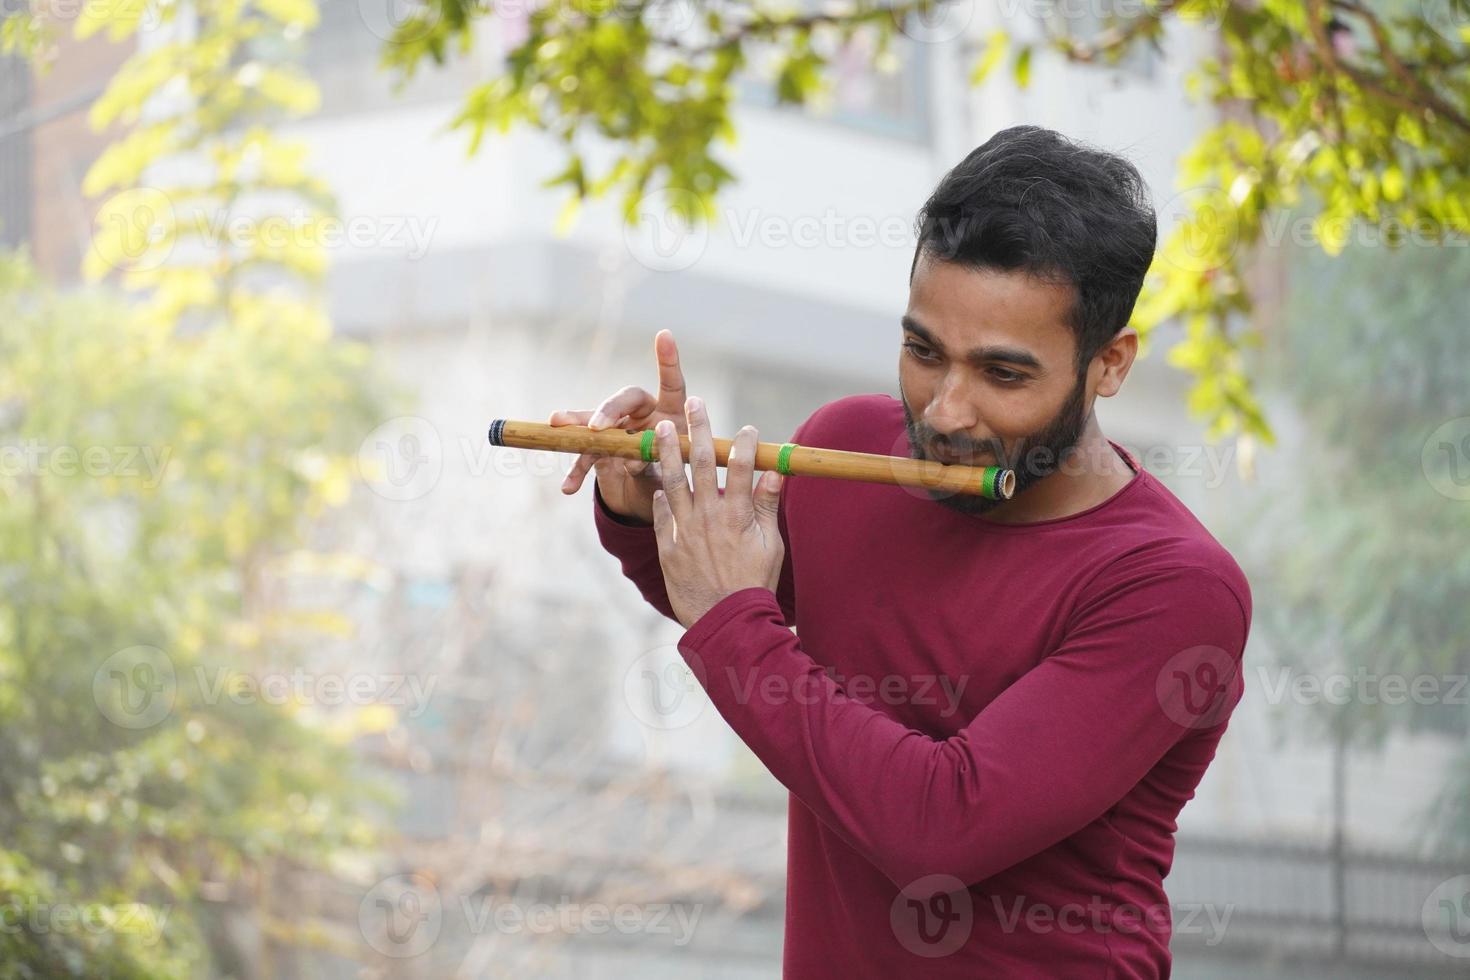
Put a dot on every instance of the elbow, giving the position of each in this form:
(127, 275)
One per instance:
(925, 860)
(957, 839)
(920, 876)
(922, 872)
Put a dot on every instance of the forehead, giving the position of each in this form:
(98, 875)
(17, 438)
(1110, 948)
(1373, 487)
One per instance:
(967, 308)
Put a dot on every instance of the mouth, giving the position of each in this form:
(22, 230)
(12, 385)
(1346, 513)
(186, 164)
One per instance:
(952, 460)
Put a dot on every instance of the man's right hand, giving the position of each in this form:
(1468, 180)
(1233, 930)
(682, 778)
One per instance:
(627, 485)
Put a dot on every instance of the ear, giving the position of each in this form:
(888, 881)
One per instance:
(1113, 362)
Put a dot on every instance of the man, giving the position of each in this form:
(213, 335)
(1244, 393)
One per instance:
(992, 712)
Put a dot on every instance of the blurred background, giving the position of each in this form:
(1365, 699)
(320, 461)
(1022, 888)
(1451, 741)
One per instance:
(300, 678)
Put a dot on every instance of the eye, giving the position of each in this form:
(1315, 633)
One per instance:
(918, 350)
(1006, 376)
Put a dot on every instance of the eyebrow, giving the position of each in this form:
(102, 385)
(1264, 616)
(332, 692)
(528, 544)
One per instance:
(1018, 356)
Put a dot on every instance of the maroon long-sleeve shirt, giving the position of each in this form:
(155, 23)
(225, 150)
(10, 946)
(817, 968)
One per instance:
(987, 730)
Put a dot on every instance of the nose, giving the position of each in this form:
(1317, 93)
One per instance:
(950, 410)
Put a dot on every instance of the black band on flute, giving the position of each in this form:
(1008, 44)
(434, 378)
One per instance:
(497, 432)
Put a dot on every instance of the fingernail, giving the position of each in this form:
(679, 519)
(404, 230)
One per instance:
(597, 420)
(665, 427)
(695, 404)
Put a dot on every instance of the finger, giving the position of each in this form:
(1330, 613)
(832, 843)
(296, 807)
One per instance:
(671, 469)
(767, 502)
(737, 474)
(671, 393)
(578, 473)
(576, 417)
(617, 466)
(628, 401)
(664, 525)
(702, 455)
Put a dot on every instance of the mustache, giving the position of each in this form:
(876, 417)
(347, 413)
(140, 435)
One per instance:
(950, 446)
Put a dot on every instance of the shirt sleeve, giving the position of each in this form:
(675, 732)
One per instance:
(1145, 661)
(636, 548)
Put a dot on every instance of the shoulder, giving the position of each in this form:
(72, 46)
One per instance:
(1185, 575)
(1153, 537)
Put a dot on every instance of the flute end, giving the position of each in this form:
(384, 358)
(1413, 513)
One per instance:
(1006, 485)
(497, 432)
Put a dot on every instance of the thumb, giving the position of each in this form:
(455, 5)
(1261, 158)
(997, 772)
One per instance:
(767, 499)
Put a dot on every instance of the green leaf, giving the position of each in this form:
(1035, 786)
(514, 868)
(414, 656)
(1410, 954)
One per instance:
(1022, 67)
(995, 49)
(1331, 229)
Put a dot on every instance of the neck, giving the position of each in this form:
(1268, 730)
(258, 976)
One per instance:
(1091, 474)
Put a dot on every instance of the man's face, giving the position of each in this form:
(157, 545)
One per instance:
(987, 376)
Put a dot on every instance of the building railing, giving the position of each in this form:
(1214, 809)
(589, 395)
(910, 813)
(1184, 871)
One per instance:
(1301, 900)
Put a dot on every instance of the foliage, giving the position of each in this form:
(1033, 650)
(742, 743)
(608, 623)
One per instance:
(149, 477)
(1332, 105)
(167, 453)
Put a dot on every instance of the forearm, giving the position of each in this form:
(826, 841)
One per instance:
(1050, 754)
(913, 805)
(636, 549)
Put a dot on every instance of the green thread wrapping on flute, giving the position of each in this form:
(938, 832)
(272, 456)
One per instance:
(987, 482)
(783, 458)
(645, 445)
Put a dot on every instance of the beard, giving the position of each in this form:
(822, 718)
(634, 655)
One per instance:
(1033, 457)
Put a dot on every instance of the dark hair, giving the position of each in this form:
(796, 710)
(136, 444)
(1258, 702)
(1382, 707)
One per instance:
(1031, 199)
